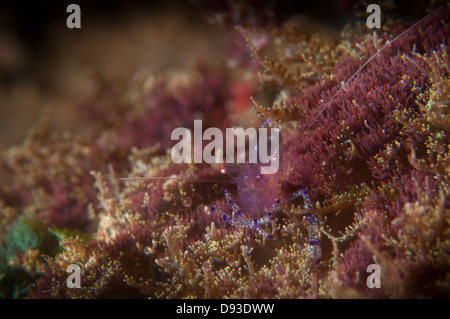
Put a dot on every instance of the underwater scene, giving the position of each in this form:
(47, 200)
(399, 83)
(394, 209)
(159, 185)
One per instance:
(225, 149)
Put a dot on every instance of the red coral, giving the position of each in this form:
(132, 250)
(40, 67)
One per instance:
(358, 122)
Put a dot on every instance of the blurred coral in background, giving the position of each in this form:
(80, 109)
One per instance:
(82, 108)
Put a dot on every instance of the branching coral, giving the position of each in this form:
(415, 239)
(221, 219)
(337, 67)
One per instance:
(372, 152)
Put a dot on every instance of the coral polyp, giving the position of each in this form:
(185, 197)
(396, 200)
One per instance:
(364, 147)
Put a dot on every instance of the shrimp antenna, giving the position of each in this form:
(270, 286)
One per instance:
(388, 43)
(171, 178)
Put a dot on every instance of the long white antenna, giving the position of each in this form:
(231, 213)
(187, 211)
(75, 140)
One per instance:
(172, 178)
